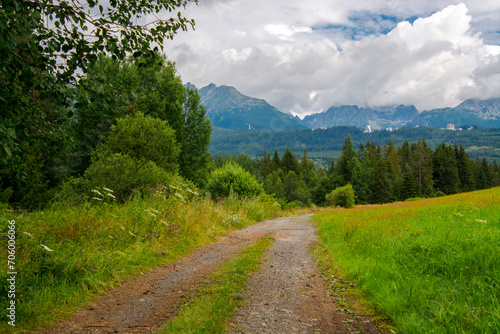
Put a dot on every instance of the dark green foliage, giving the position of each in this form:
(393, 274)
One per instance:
(233, 178)
(143, 138)
(445, 172)
(43, 44)
(139, 151)
(410, 187)
(289, 162)
(194, 157)
(342, 196)
(122, 174)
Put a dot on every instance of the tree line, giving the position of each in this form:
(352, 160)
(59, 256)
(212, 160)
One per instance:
(378, 173)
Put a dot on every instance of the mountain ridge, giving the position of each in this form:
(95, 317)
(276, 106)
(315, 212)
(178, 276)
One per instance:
(228, 108)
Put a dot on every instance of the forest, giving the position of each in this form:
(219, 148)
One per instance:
(378, 174)
(82, 113)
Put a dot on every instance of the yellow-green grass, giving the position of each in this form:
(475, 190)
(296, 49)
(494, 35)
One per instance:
(91, 248)
(210, 311)
(431, 266)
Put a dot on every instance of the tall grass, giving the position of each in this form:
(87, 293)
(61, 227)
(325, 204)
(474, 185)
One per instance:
(68, 255)
(432, 266)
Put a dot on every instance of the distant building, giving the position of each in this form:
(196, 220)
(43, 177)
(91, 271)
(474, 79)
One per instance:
(368, 129)
(388, 129)
(450, 126)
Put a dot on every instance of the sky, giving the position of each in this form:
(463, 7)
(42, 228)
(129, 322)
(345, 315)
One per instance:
(306, 56)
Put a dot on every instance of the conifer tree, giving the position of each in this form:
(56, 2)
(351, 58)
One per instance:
(289, 162)
(445, 170)
(465, 169)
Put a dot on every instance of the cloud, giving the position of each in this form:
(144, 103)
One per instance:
(305, 57)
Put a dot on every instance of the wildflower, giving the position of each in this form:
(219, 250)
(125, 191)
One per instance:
(29, 235)
(481, 221)
(99, 199)
(132, 233)
(109, 190)
(110, 195)
(46, 248)
(97, 192)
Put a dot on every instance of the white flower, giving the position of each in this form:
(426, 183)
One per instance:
(97, 192)
(29, 235)
(46, 248)
(481, 221)
(110, 195)
(107, 189)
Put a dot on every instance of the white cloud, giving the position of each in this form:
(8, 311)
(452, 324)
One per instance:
(297, 56)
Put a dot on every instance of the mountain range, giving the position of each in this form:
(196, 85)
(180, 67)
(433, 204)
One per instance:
(228, 108)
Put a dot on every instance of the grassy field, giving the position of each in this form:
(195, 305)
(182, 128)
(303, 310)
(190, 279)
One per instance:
(431, 266)
(67, 256)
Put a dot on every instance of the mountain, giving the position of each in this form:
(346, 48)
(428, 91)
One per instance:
(483, 113)
(377, 118)
(228, 108)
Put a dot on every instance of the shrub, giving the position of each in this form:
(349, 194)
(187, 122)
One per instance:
(144, 138)
(342, 196)
(121, 173)
(235, 178)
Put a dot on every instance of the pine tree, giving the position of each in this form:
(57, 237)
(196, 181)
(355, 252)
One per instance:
(194, 157)
(445, 170)
(289, 162)
(465, 169)
(276, 161)
(342, 168)
(411, 186)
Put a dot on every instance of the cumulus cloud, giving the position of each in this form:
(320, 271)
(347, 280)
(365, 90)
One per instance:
(302, 57)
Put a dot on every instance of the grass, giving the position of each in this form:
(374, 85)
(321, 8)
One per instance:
(210, 311)
(91, 248)
(431, 266)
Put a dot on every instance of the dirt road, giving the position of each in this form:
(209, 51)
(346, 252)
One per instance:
(287, 295)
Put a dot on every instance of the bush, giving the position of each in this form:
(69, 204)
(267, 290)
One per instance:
(233, 178)
(342, 196)
(119, 172)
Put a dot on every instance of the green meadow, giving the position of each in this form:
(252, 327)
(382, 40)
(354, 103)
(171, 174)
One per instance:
(431, 266)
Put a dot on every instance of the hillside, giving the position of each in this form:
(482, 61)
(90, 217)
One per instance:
(377, 118)
(471, 112)
(228, 108)
(325, 143)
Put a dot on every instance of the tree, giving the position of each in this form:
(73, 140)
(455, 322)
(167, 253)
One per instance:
(342, 196)
(289, 162)
(410, 187)
(465, 169)
(194, 156)
(139, 151)
(342, 167)
(112, 89)
(42, 46)
(232, 177)
(445, 170)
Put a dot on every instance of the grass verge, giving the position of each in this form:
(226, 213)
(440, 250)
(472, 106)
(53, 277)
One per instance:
(210, 311)
(68, 256)
(350, 298)
(431, 266)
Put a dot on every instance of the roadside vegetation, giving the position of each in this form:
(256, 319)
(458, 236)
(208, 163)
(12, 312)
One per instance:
(430, 265)
(214, 306)
(67, 256)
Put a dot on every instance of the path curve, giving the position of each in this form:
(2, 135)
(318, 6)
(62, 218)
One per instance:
(287, 295)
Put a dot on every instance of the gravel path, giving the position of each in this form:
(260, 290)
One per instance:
(286, 296)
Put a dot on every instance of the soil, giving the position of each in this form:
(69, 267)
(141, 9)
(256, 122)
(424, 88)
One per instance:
(287, 295)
